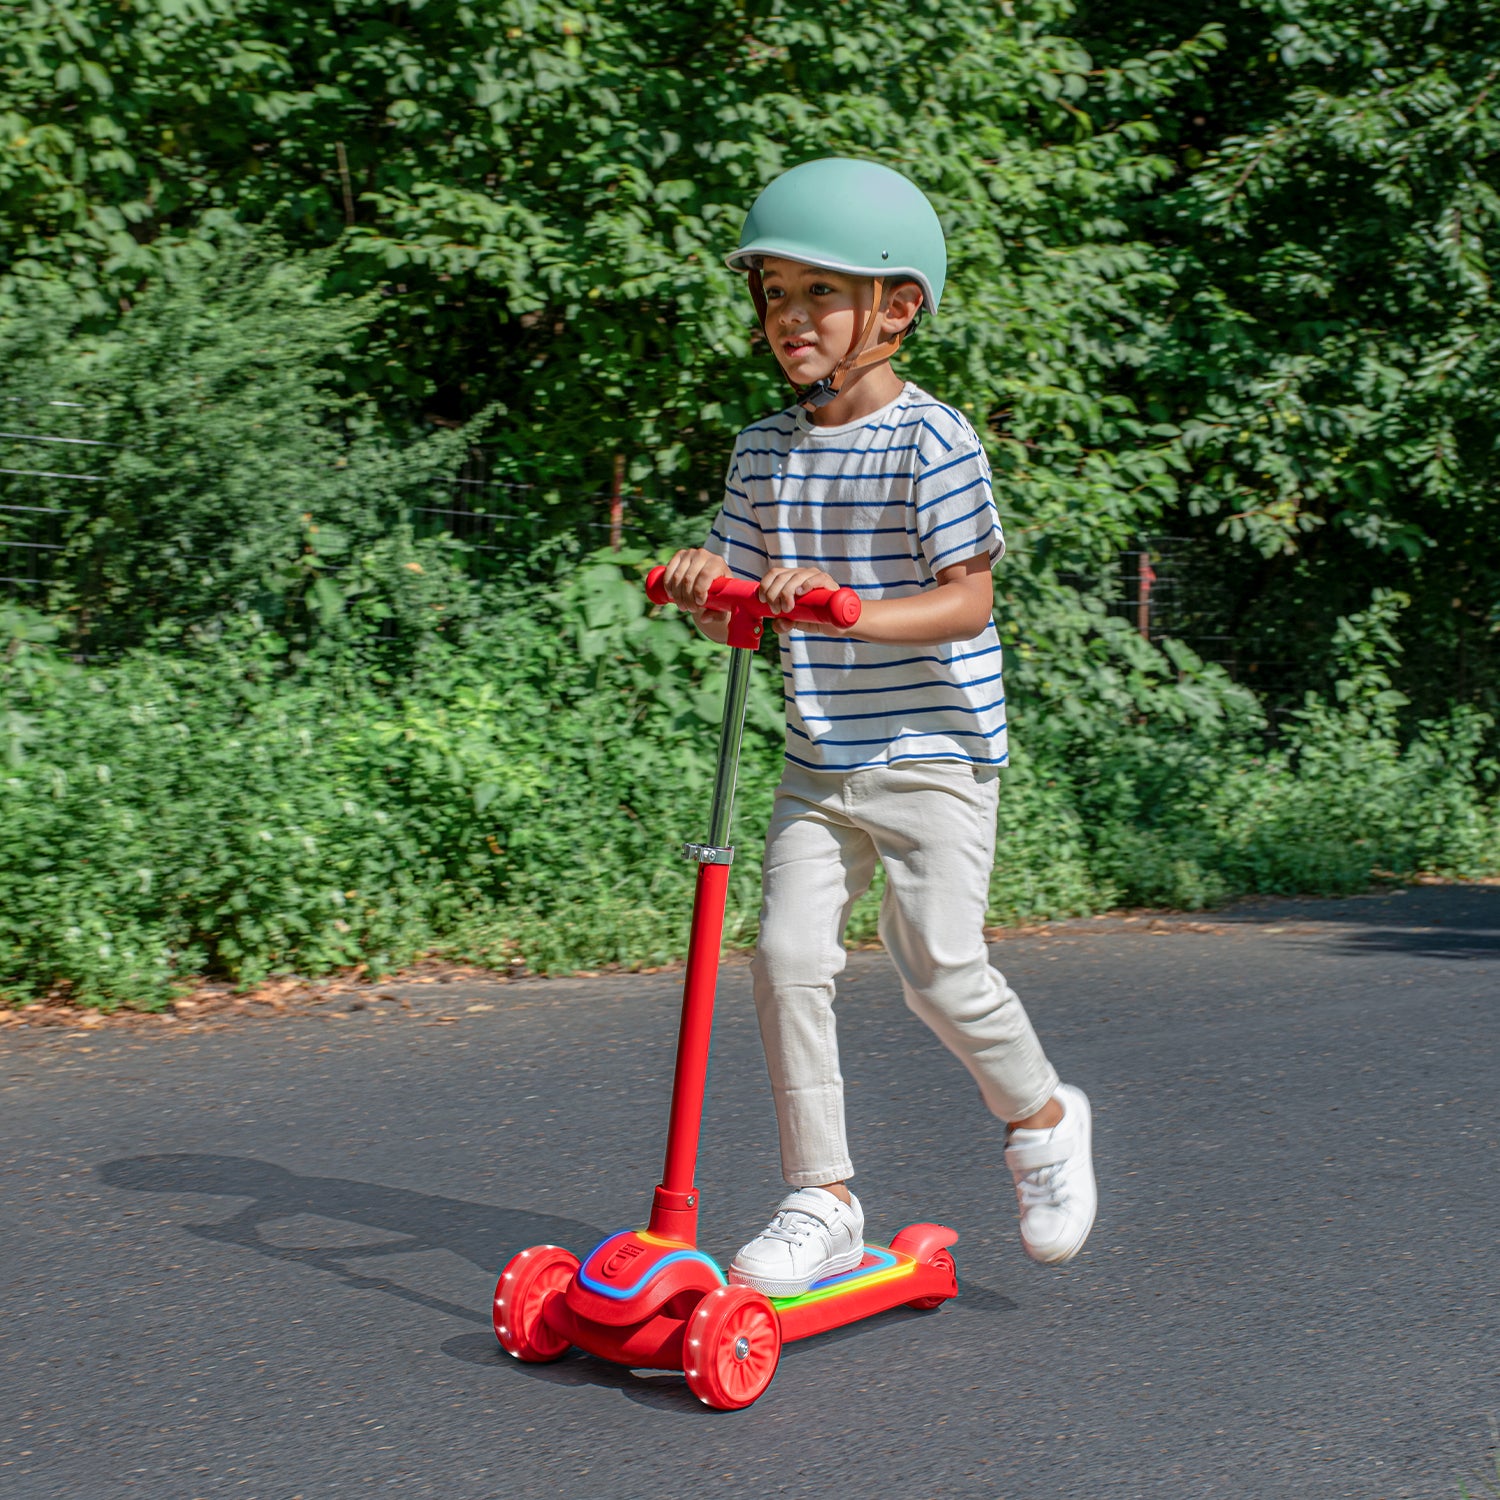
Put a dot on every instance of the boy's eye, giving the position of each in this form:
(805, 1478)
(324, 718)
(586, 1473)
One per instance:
(820, 289)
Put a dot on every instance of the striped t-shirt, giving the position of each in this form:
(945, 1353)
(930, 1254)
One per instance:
(882, 505)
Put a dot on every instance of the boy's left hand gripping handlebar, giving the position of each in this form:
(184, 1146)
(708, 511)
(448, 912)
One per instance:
(741, 595)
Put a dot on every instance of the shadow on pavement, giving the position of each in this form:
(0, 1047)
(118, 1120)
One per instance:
(665, 1390)
(1424, 942)
(405, 1222)
(1451, 922)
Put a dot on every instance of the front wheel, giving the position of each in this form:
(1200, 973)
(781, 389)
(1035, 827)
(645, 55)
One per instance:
(529, 1281)
(731, 1347)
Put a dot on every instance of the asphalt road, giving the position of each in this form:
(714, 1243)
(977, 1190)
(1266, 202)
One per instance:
(254, 1259)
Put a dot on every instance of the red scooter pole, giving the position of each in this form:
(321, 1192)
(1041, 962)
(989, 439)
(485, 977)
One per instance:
(674, 1207)
(650, 1299)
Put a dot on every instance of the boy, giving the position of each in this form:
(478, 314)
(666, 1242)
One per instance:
(895, 728)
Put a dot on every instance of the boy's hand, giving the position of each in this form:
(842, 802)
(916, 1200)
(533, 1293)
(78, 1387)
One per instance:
(689, 574)
(782, 587)
(686, 582)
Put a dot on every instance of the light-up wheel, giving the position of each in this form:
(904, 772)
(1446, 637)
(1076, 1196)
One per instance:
(731, 1347)
(529, 1280)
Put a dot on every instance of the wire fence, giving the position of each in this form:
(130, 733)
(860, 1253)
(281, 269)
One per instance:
(1165, 586)
(496, 521)
(32, 535)
(499, 520)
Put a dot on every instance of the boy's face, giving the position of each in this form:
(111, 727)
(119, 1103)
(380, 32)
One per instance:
(812, 315)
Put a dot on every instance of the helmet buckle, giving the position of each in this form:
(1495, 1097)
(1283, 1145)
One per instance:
(819, 393)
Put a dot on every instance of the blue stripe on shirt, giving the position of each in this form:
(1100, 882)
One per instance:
(953, 463)
(947, 446)
(788, 478)
(893, 760)
(906, 687)
(886, 713)
(820, 450)
(739, 542)
(978, 510)
(892, 739)
(961, 552)
(905, 661)
(845, 530)
(979, 479)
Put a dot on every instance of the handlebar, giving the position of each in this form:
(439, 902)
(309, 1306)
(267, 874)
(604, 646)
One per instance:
(741, 597)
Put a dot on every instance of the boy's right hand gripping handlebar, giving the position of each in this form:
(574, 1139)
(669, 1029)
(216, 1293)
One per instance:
(741, 597)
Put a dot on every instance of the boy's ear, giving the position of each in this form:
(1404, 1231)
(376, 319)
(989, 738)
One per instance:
(902, 304)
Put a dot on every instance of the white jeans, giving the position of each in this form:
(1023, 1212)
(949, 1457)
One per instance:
(932, 825)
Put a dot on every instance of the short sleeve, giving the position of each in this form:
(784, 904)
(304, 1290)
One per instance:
(955, 505)
(735, 535)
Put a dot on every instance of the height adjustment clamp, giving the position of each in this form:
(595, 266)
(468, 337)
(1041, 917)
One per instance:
(707, 854)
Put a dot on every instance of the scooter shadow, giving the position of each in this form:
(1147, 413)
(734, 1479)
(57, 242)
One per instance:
(410, 1222)
(667, 1390)
(404, 1222)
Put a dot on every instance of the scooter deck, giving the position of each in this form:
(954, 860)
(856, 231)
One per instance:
(884, 1279)
(634, 1293)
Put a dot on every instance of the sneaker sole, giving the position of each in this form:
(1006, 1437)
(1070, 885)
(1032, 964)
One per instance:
(772, 1288)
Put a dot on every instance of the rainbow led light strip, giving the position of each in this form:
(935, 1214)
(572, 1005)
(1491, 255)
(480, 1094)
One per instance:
(889, 1265)
(622, 1294)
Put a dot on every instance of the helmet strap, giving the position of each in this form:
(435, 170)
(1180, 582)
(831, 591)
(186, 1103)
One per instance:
(857, 357)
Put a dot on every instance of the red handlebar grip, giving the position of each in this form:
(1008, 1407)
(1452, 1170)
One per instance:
(839, 607)
(829, 606)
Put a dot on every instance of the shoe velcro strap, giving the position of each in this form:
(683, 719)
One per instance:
(1029, 1155)
(814, 1205)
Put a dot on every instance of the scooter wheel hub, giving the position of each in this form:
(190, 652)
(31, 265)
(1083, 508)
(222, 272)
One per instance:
(732, 1347)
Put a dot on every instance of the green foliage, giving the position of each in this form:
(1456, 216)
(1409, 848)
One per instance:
(542, 194)
(222, 471)
(522, 797)
(1192, 814)
(1219, 271)
(1331, 351)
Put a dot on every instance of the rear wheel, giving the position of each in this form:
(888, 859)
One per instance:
(943, 1262)
(928, 1245)
(731, 1347)
(529, 1281)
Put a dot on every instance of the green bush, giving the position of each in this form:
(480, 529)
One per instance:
(519, 794)
(219, 808)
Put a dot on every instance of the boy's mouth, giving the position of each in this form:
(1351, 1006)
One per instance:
(796, 346)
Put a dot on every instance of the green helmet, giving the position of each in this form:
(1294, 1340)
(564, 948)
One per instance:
(847, 215)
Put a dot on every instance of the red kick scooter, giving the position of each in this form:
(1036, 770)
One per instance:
(649, 1298)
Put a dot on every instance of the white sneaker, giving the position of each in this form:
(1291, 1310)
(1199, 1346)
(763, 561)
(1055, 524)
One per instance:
(1054, 1173)
(811, 1235)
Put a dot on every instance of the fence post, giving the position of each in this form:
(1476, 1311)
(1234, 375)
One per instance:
(1145, 577)
(345, 183)
(617, 504)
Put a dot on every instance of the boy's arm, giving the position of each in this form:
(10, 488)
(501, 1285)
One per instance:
(956, 610)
